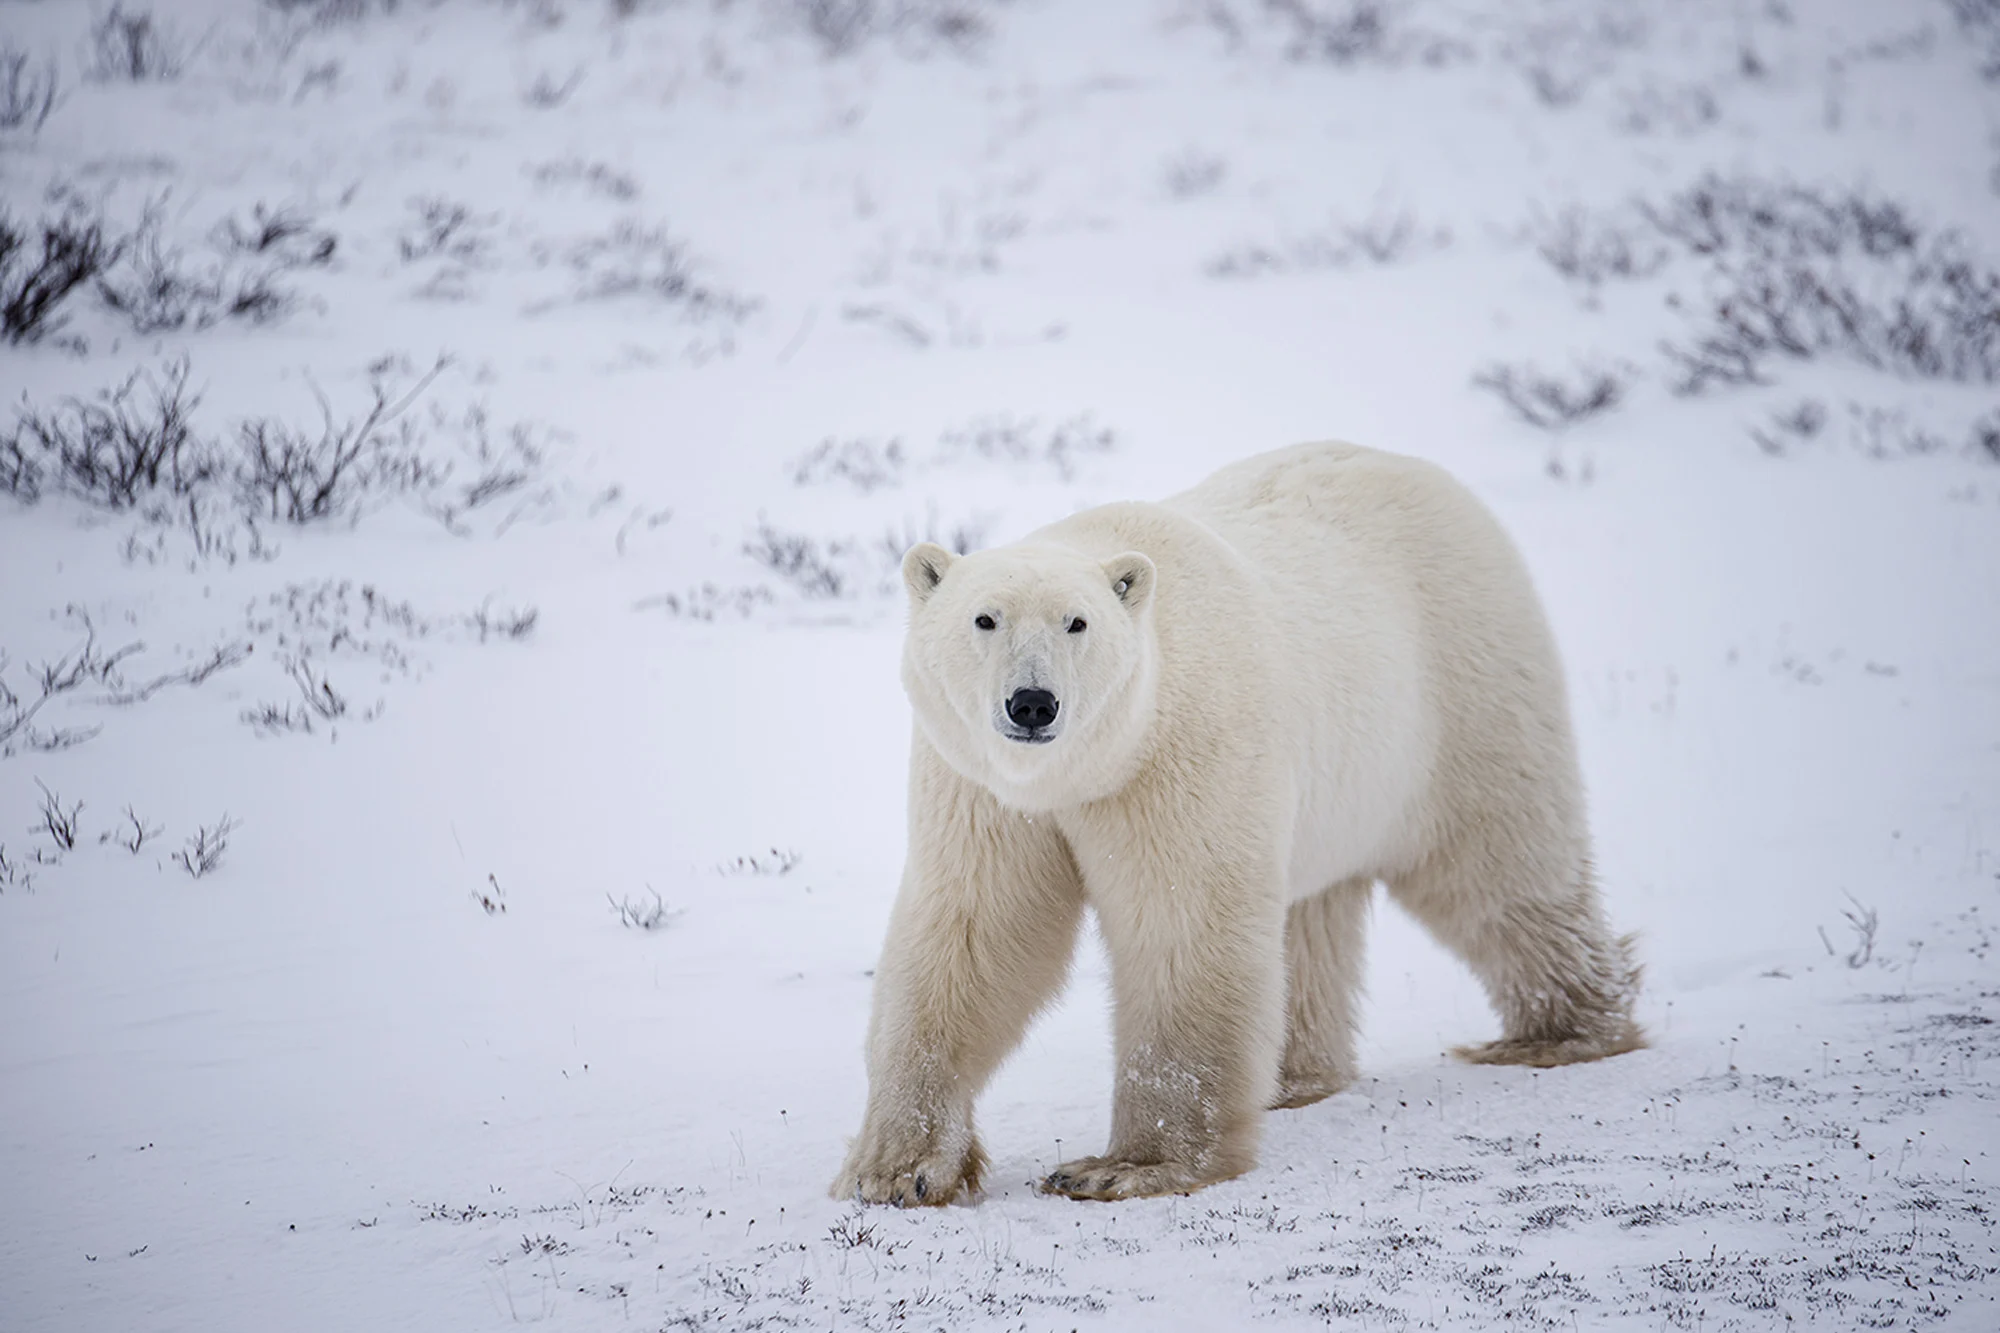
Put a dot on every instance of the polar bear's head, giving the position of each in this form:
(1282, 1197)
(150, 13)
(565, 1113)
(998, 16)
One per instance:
(1031, 667)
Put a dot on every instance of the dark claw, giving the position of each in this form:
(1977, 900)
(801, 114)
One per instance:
(921, 1186)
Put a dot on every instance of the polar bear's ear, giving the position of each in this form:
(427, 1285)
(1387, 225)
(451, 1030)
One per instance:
(924, 568)
(1131, 577)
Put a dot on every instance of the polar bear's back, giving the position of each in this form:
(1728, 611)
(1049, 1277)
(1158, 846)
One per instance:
(1419, 676)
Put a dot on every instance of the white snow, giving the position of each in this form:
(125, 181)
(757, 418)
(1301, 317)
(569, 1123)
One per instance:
(401, 1061)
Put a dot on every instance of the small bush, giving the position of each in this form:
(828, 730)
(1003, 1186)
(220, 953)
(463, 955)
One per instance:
(1979, 20)
(283, 236)
(1547, 402)
(27, 90)
(599, 177)
(62, 823)
(1192, 173)
(129, 46)
(1796, 424)
(862, 464)
(960, 539)
(203, 853)
(1347, 32)
(1986, 436)
(116, 450)
(1934, 315)
(841, 27)
(445, 229)
(1022, 440)
(160, 289)
(1743, 215)
(514, 623)
(1589, 248)
(636, 260)
(74, 251)
(51, 681)
(816, 569)
(638, 914)
(1386, 236)
(546, 93)
(301, 477)
(329, 12)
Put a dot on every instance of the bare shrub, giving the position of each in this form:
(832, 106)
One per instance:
(62, 823)
(514, 623)
(133, 834)
(284, 236)
(20, 471)
(1192, 173)
(1863, 922)
(960, 538)
(204, 850)
(86, 665)
(317, 692)
(318, 701)
(633, 259)
(486, 466)
(130, 46)
(13, 874)
(1888, 432)
(774, 861)
(708, 602)
(840, 27)
(864, 464)
(1680, 109)
(1721, 215)
(492, 899)
(546, 93)
(638, 914)
(327, 13)
(117, 449)
(1342, 32)
(1933, 315)
(1979, 20)
(269, 719)
(27, 90)
(817, 569)
(74, 251)
(218, 659)
(1589, 248)
(1544, 401)
(161, 288)
(445, 229)
(302, 478)
(1803, 421)
(1387, 235)
(1004, 438)
(1986, 436)
(598, 177)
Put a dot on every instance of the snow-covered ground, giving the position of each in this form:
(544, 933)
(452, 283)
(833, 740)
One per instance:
(739, 299)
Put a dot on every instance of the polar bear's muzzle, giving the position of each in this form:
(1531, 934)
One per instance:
(1030, 716)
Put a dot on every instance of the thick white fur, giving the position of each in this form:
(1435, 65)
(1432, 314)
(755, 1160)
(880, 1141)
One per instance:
(1322, 667)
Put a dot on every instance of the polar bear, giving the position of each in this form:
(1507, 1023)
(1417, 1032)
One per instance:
(1217, 721)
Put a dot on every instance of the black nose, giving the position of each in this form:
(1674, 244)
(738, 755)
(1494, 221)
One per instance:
(1033, 709)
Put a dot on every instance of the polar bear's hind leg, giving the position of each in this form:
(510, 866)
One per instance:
(1324, 938)
(1562, 983)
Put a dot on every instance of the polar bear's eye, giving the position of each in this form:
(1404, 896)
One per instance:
(1077, 626)
(984, 622)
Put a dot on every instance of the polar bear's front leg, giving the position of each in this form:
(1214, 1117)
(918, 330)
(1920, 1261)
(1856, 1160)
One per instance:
(1197, 962)
(980, 938)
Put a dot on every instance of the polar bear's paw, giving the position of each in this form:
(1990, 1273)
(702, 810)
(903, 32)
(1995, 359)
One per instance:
(1104, 1178)
(925, 1178)
(1303, 1089)
(1615, 1040)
